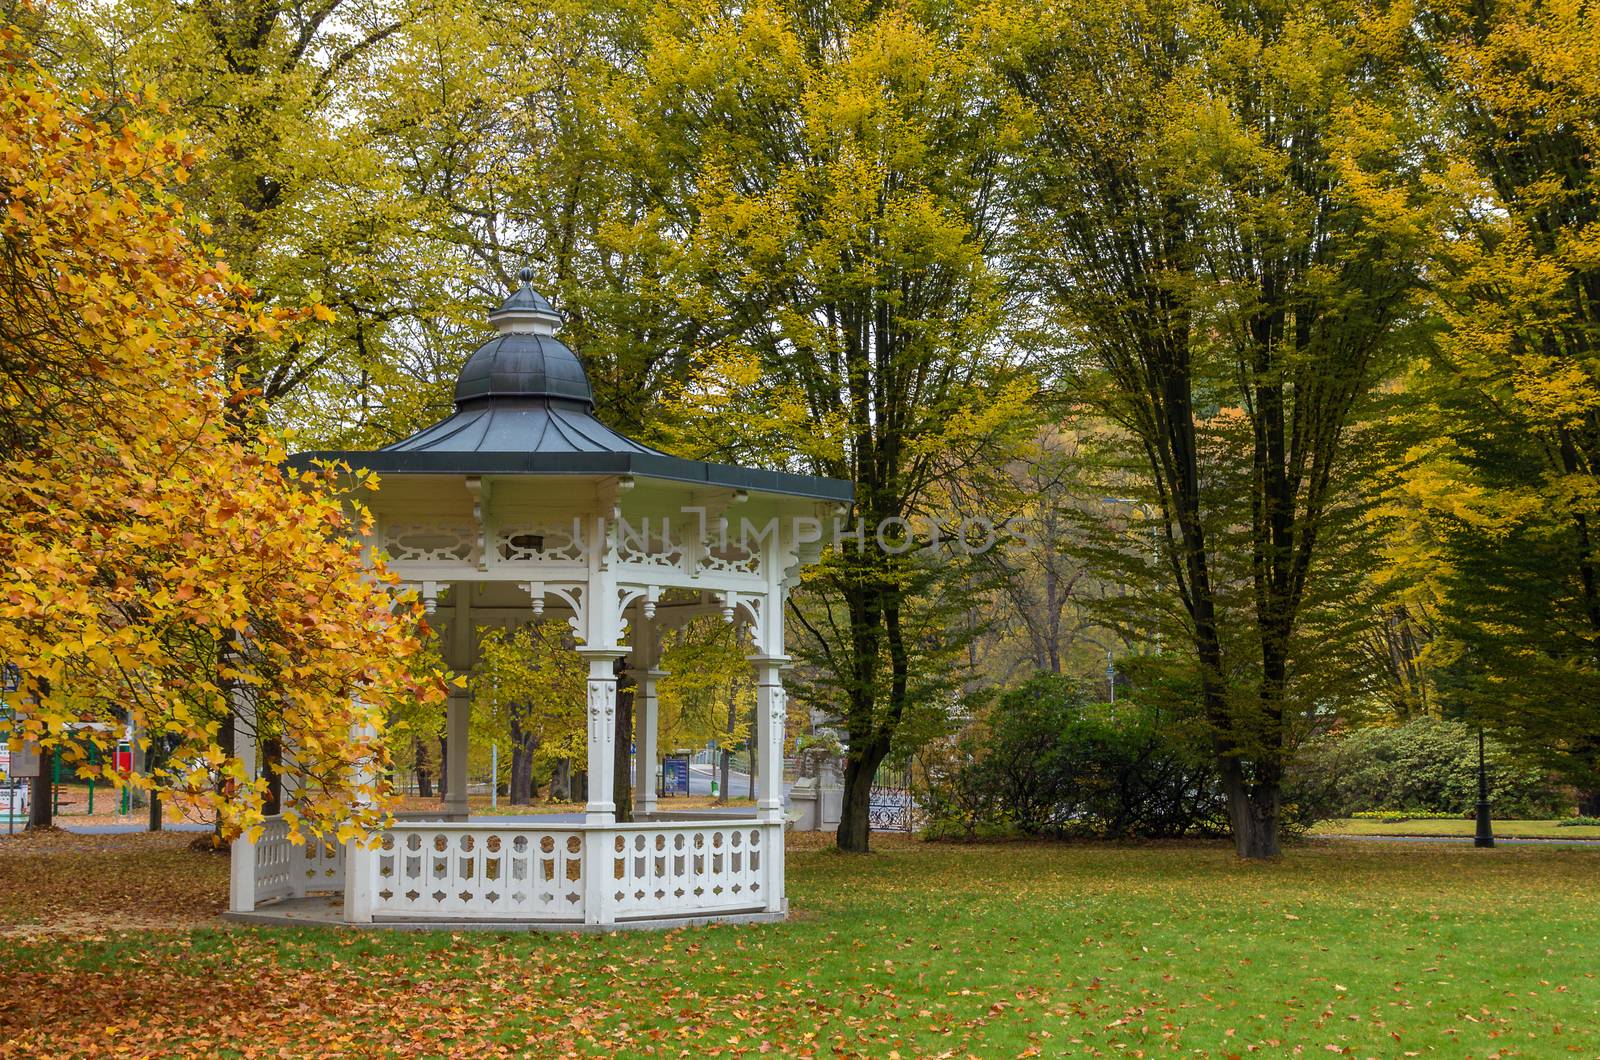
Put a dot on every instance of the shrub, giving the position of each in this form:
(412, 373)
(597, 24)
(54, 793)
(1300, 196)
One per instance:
(1590, 822)
(1044, 761)
(1426, 765)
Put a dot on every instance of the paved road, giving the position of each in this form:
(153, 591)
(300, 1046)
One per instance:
(126, 829)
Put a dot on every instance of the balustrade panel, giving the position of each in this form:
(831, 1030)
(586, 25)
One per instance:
(478, 872)
(322, 866)
(274, 875)
(668, 870)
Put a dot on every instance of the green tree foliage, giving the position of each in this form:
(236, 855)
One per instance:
(515, 130)
(845, 165)
(289, 185)
(1509, 480)
(1223, 205)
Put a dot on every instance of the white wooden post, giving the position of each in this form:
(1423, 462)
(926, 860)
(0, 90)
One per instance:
(458, 712)
(360, 863)
(602, 714)
(242, 854)
(646, 653)
(771, 711)
(600, 810)
(647, 725)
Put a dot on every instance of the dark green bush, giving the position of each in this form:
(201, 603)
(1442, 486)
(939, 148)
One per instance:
(1044, 761)
(1425, 765)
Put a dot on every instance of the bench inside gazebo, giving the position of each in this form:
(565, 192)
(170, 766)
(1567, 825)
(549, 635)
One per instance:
(523, 506)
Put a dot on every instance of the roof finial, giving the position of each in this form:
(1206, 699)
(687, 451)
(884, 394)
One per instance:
(525, 275)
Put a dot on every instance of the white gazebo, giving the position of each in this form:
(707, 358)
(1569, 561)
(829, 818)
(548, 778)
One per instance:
(523, 506)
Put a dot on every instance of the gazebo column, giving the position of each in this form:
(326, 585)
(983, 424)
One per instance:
(771, 711)
(458, 705)
(602, 712)
(646, 653)
(360, 861)
(600, 810)
(458, 710)
(646, 722)
(242, 852)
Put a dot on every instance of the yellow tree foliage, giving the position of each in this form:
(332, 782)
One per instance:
(161, 568)
(529, 684)
(709, 692)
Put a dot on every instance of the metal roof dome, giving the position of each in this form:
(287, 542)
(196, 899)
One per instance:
(525, 360)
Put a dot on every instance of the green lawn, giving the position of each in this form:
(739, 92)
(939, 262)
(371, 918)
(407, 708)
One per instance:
(990, 950)
(1457, 827)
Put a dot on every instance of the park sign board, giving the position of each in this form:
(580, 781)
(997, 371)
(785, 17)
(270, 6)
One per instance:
(675, 775)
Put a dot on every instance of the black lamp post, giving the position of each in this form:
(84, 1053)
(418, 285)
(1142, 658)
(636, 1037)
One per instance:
(1485, 836)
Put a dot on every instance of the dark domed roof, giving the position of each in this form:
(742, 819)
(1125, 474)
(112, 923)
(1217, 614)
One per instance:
(525, 360)
(522, 365)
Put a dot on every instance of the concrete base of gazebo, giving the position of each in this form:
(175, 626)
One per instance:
(328, 911)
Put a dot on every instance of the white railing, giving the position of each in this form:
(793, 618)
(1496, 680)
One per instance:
(284, 869)
(275, 861)
(484, 871)
(685, 869)
(434, 869)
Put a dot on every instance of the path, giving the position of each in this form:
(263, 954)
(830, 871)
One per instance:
(1499, 840)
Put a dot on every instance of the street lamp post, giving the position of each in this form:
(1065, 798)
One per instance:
(1485, 835)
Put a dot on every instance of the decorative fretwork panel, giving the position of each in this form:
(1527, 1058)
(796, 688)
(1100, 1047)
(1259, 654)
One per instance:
(477, 871)
(650, 544)
(547, 543)
(729, 557)
(682, 869)
(427, 543)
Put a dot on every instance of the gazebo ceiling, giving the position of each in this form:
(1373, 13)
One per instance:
(524, 407)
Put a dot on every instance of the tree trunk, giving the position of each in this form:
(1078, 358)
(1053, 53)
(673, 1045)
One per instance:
(1589, 803)
(424, 771)
(725, 765)
(137, 796)
(855, 823)
(42, 813)
(226, 737)
(561, 780)
(444, 765)
(1253, 810)
(272, 766)
(155, 813)
(622, 758)
(752, 745)
(523, 746)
